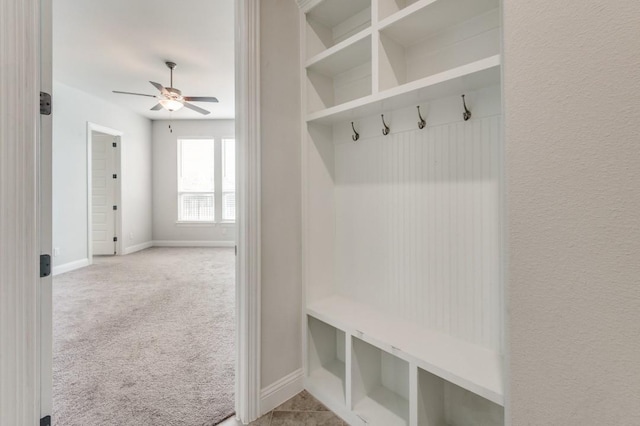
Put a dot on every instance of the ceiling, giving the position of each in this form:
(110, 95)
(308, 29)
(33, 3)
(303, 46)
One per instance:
(105, 45)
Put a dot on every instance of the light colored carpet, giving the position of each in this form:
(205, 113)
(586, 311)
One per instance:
(146, 339)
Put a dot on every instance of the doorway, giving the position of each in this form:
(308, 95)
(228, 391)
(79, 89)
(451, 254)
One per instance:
(104, 189)
(145, 336)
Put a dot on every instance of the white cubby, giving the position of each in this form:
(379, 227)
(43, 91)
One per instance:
(333, 21)
(440, 36)
(339, 77)
(326, 359)
(441, 403)
(380, 386)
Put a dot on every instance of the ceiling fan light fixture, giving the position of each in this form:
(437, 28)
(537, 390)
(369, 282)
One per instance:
(171, 104)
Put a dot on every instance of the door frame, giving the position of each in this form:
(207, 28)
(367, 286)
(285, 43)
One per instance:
(25, 329)
(248, 202)
(92, 127)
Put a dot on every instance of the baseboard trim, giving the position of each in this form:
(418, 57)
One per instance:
(172, 243)
(138, 247)
(71, 266)
(280, 391)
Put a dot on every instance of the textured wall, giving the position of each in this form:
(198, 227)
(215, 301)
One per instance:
(572, 113)
(281, 193)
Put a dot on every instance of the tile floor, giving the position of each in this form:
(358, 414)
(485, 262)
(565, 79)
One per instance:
(302, 409)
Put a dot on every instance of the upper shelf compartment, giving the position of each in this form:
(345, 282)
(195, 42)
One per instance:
(429, 37)
(333, 21)
(424, 18)
(340, 75)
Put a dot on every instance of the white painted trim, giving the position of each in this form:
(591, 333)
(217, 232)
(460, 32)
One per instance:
(20, 239)
(281, 391)
(174, 243)
(137, 247)
(70, 266)
(93, 127)
(45, 168)
(304, 196)
(248, 269)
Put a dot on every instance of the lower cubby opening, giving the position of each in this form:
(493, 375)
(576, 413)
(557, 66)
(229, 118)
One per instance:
(326, 354)
(380, 386)
(441, 403)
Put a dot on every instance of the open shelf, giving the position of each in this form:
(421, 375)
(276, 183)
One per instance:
(439, 42)
(424, 18)
(380, 386)
(341, 76)
(343, 57)
(441, 403)
(473, 76)
(326, 359)
(332, 21)
(469, 366)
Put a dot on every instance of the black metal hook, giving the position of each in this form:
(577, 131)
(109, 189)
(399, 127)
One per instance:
(467, 114)
(386, 129)
(422, 123)
(356, 135)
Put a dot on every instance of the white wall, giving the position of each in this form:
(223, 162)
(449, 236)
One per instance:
(572, 112)
(72, 109)
(281, 194)
(165, 181)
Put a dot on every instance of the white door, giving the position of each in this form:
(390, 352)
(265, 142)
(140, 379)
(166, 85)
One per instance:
(103, 190)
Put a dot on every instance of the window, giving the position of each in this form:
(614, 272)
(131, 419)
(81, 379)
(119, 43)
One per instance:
(196, 182)
(229, 179)
(206, 180)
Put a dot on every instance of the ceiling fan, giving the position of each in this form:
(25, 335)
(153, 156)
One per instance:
(171, 98)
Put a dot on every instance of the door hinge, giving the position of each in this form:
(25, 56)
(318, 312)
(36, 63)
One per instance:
(115, 176)
(115, 207)
(236, 250)
(115, 145)
(115, 239)
(45, 103)
(45, 265)
(45, 421)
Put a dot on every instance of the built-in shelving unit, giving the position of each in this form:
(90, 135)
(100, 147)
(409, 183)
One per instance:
(402, 214)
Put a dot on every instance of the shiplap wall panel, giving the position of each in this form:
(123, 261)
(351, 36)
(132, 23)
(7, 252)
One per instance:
(418, 226)
(19, 243)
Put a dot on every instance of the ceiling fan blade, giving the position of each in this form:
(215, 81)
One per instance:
(200, 99)
(158, 86)
(157, 107)
(196, 108)
(131, 93)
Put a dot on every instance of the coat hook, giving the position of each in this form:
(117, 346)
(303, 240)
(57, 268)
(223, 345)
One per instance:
(356, 135)
(421, 123)
(467, 114)
(386, 129)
